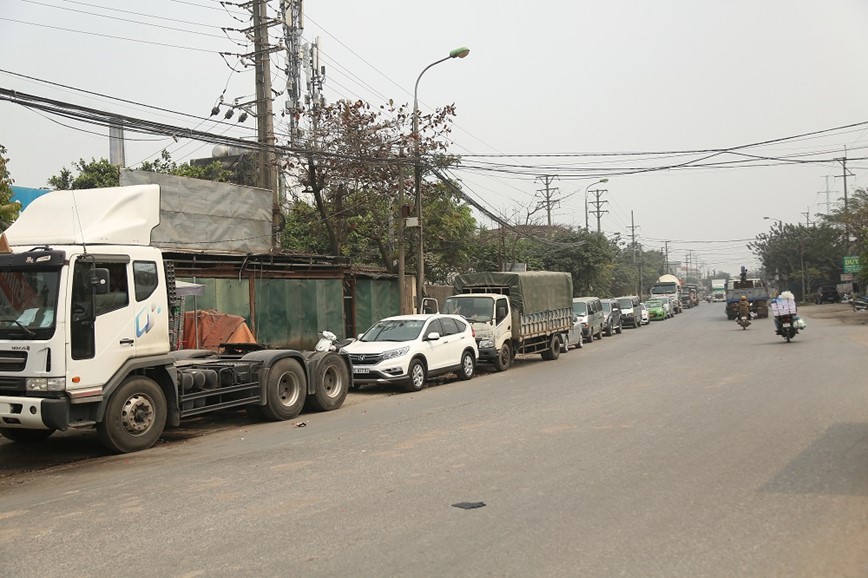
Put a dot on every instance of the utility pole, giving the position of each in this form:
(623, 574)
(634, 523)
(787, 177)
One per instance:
(548, 192)
(633, 228)
(267, 170)
(293, 25)
(597, 212)
(641, 282)
(828, 194)
(402, 220)
(844, 175)
(666, 256)
(807, 215)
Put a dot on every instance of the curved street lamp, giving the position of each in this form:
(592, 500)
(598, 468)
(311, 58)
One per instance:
(420, 266)
(586, 199)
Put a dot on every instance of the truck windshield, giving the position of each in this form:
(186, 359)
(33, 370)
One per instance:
(471, 308)
(28, 302)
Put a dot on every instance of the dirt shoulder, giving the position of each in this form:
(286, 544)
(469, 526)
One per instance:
(840, 311)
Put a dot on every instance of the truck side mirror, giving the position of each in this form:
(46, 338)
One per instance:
(100, 280)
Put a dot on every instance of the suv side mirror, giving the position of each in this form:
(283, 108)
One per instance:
(433, 336)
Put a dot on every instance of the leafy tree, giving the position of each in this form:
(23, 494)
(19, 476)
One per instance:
(214, 171)
(358, 164)
(8, 208)
(854, 223)
(801, 258)
(587, 256)
(91, 175)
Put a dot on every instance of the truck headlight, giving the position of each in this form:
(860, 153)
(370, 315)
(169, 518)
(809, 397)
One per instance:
(396, 353)
(485, 343)
(45, 383)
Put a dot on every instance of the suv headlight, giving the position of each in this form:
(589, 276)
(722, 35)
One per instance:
(45, 383)
(396, 353)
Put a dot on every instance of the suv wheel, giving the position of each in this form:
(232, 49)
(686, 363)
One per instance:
(416, 371)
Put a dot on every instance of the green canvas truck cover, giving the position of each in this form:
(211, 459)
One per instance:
(529, 291)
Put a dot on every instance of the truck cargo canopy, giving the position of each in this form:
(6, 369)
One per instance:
(529, 291)
(108, 216)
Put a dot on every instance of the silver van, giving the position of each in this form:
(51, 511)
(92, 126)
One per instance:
(589, 317)
(631, 314)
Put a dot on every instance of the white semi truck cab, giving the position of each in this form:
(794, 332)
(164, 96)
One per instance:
(86, 306)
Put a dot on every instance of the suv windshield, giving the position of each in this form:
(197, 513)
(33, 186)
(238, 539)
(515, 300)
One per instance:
(394, 330)
(580, 308)
(28, 302)
(625, 303)
(607, 307)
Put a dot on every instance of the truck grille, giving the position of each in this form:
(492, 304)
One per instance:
(13, 360)
(366, 358)
(12, 385)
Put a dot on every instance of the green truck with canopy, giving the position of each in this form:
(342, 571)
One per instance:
(515, 312)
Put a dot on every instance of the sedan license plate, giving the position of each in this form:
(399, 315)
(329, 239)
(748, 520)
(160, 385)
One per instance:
(361, 370)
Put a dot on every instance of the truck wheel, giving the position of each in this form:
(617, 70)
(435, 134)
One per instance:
(554, 351)
(468, 365)
(285, 391)
(134, 416)
(332, 383)
(418, 376)
(504, 357)
(25, 436)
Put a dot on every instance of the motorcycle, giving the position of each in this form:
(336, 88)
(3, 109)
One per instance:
(859, 303)
(787, 327)
(328, 341)
(743, 320)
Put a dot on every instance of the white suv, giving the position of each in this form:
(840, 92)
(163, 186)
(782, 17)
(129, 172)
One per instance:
(407, 349)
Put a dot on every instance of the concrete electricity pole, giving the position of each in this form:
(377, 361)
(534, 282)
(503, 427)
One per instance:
(598, 212)
(267, 169)
(633, 227)
(548, 192)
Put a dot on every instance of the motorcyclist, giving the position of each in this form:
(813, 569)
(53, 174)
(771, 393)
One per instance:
(743, 307)
(786, 296)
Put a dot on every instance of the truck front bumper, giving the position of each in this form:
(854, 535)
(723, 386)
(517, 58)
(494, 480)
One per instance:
(488, 354)
(34, 413)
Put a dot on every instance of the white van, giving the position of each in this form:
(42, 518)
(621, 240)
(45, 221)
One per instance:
(588, 315)
(631, 313)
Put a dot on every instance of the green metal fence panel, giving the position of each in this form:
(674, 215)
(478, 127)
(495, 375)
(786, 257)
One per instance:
(375, 299)
(292, 312)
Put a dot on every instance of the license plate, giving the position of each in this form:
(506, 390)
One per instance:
(361, 370)
(788, 325)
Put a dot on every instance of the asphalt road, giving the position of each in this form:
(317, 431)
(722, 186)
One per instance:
(687, 448)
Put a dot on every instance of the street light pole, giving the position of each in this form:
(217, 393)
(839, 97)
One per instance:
(586, 199)
(420, 266)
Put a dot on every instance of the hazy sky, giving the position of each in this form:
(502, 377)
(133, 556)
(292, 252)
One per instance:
(576, 78)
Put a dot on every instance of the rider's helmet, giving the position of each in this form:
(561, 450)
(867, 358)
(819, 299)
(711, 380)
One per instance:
(743, 298)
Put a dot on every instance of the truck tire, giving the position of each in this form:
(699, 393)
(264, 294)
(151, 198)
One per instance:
(468, 366)
(25, 436)
(332, 383)
(554, 351)
(135, 416)
(285, 391)
(504, 357)
(417, 376)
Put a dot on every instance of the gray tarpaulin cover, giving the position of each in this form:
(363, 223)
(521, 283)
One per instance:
(208, 216)
(529, 291)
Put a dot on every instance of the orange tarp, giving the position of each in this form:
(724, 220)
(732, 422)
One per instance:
(214, 328)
